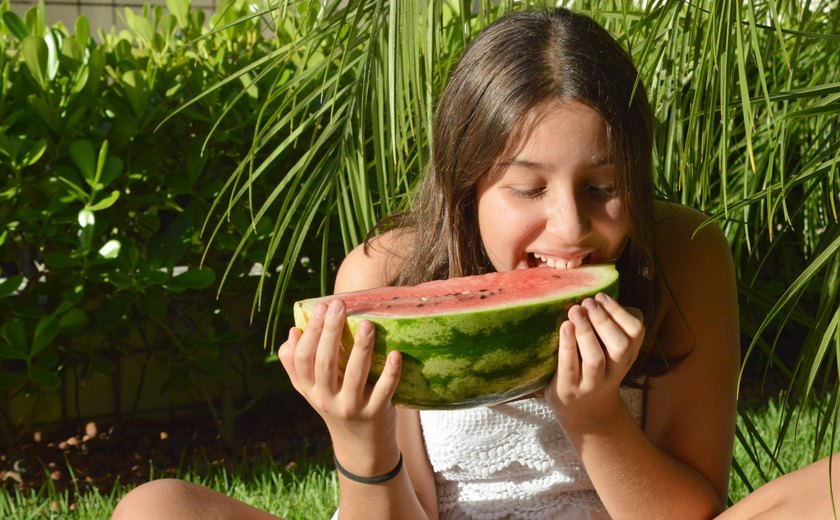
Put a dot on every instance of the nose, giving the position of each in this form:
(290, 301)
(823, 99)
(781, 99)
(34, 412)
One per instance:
(567, 219)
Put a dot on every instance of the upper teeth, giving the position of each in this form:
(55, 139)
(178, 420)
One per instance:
(559, 263)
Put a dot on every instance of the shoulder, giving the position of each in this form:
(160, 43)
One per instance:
(374, 263)
(694, 261)
(681, 231)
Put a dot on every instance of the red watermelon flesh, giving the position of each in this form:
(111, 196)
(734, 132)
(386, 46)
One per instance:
(475, 340)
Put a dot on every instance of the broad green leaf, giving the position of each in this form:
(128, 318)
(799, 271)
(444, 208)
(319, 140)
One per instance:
(86, 218)
(15, 345)
(112, 169)
(106, 202)
(141, 26)
(7, 287)
(9, 146)
(44, 378)
(82, 32)
(100, 162)
(34, 153)
(110, 250)
(200, 278)
(56, 260)
(36, 56)
(83, 157)
(45, 111)
(137, 91)
(181, 10)
(72, 50)
(34, 19)
(154, 277)
(74, 189)
(53, 53)
(46, 331)
(15, 25)
(9, 380)
(47, 359)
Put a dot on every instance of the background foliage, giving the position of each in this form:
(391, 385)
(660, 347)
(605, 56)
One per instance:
(746, 96)
(102, 205)
(317, 117)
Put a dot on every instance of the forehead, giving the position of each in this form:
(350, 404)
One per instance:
(560, 128)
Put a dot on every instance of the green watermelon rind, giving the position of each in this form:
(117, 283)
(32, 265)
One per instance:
(472, 358)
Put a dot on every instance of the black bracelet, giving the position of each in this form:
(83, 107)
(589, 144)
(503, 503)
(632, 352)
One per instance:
(369, 480)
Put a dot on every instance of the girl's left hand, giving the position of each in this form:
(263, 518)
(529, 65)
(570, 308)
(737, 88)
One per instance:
(598, 345)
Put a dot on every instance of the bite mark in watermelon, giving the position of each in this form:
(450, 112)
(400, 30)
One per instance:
(470, 341)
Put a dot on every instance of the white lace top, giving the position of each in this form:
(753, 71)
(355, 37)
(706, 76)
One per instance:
(510, 461)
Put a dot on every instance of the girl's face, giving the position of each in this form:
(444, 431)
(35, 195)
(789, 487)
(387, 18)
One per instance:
(553, 202)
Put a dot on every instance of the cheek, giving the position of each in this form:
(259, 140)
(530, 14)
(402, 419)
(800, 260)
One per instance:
(614, 213)
(503, 223)
(612, 220)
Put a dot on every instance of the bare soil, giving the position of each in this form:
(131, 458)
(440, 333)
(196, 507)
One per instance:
(81, 455)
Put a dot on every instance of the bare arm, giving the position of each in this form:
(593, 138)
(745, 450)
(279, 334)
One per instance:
(367, 435)
(678, 466)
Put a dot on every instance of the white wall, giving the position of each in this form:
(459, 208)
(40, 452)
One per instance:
(100, 13)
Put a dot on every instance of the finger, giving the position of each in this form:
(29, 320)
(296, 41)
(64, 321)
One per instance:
(286, 353)
(592, 360)
(388, 380)
(568, 360)
(326, 356)
(629, 319)
(616, 343)
(304, 352)
(358, 365)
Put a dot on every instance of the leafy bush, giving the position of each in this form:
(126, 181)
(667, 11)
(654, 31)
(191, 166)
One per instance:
(102, 204)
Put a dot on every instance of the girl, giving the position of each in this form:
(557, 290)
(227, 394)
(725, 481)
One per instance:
(541, 159)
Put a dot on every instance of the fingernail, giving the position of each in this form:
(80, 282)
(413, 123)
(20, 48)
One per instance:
(335, 308)
(568, 329)
(365, 328)
(601, 297)
(320, 310)
(394, 359)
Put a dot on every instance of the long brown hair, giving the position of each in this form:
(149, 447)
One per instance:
(513, 68)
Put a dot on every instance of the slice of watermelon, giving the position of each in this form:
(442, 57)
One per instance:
(476, 340)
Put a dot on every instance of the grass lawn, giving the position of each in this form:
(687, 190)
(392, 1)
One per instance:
(309, 490)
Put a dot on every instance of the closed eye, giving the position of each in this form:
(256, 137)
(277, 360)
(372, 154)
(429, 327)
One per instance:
(527, 194)
(605, 192)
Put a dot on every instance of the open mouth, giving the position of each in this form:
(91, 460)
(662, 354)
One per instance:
(539, 260)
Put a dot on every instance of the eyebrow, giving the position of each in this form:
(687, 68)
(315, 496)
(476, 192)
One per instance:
(524, 163)
(597, 162)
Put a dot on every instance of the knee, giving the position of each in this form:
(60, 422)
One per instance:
(158, 499)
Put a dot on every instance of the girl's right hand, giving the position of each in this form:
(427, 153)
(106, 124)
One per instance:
(360, 417)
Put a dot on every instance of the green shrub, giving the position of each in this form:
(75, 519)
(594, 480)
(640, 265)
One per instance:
(102, 205)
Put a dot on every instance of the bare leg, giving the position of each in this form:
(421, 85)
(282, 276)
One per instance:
(177, 499)
(806, 491)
